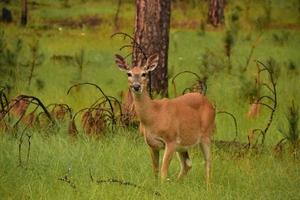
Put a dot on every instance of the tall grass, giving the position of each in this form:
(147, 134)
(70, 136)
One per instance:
(122, 155)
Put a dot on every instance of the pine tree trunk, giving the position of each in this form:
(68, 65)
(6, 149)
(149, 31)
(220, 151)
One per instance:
(216, 12)
(24, 12)
(152, 26)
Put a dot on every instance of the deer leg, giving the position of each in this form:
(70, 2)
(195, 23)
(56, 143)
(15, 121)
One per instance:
(155, 160)
(169, 151)
(205, 147)
(186, 163)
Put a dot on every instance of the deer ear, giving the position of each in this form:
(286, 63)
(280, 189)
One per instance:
(120, 61)
(151, 63)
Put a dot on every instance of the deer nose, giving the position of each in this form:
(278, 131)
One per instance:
(136, 87)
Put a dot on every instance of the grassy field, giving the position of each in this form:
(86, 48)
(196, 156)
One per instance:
(124, 157)
(59, 167)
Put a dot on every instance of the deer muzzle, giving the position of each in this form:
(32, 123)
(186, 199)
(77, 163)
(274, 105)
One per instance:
(136, 87)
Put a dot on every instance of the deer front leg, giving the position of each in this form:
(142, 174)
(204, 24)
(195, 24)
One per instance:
(205, 147)
(155, 160)
(169, 151)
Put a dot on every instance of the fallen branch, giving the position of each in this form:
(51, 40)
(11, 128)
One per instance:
(67, 180)
(126, 183)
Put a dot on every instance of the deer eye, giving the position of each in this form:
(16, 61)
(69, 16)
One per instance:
(143, 74)
(129, 74)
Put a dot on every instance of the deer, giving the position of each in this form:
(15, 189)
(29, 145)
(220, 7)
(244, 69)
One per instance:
(174, 125)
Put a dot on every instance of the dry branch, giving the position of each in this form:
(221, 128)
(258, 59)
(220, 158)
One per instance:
(38, 101)
(60, 110)
(20, 146)
(262, 67)
(101, 91)
(134, 44)
(234, 120)
(65, 178)
(125, 183)
(179, 74)
(93, 124)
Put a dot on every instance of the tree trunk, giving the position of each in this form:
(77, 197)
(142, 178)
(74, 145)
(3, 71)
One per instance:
(24, 12)
(216, 12)
(152, 24)
(6, 15)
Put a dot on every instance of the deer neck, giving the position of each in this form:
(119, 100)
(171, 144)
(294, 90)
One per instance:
(143, 104)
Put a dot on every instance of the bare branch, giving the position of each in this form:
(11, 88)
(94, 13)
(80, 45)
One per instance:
(40, 104)
(134, 43)
(180, 73)
(106, 97)
(66, 106)
(125, 46)
(125, 183)
(264, 104)
(234, 120)
(29, 145)
(268, 87)
(265, 97)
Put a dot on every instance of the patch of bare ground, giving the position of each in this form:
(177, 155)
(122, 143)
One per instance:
(93, 21)
(86, 21)
(195, 24)
(35, 4)
(188, 24)
(277, 25)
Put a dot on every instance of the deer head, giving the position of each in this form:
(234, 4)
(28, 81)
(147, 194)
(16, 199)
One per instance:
(137, 76)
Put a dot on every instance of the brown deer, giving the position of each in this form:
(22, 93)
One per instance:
(170, 124)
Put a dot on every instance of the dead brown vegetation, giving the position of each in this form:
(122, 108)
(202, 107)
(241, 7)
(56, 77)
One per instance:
(86, 21)
(129, 115)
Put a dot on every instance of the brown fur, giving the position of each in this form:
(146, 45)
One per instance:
(171, 124)
(189, 118)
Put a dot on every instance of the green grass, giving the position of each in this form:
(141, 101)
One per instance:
(123, 154)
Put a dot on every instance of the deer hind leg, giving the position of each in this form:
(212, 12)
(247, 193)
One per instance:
(155, 160)
(169, 151)
(205, 147)
(186, 163)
